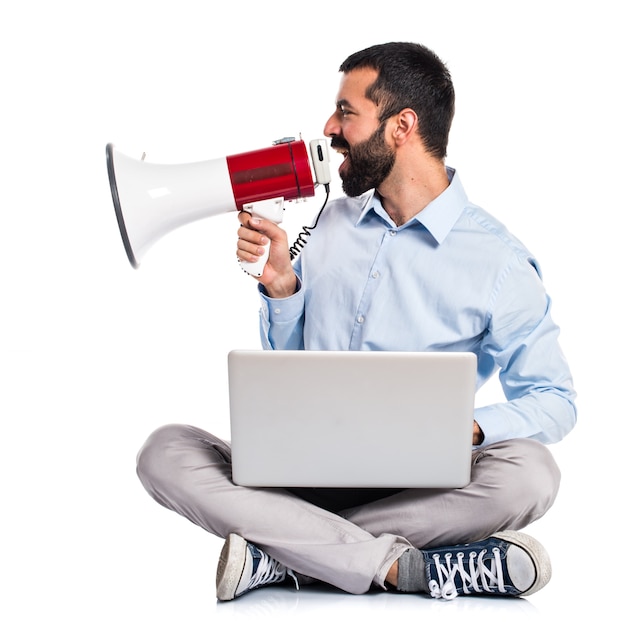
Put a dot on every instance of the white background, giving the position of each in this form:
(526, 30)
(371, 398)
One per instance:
(94, 355)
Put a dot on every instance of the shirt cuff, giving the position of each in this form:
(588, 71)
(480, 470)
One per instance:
(493, 424)
(282, 310)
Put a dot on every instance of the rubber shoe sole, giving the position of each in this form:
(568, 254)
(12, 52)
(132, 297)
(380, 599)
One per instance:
(230, 567)
(538, 554)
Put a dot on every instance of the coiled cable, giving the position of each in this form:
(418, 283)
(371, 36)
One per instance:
(304, 235)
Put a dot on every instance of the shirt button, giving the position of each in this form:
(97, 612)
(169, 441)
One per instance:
(360, 319)
(393, 233)
(277, 311)
(375, 274)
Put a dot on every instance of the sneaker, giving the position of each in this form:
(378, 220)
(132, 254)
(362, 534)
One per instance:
(243, 567)
(509, 563)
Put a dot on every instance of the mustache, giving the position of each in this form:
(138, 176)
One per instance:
(339, 142)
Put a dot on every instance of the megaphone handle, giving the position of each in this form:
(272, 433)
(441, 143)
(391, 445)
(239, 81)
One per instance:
(270, 209)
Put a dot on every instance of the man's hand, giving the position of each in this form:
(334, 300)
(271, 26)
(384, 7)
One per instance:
(278, 276)
(478, 437)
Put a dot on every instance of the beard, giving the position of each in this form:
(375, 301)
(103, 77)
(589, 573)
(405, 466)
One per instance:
(370, 162)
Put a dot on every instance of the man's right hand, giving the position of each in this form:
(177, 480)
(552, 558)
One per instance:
(278, 276)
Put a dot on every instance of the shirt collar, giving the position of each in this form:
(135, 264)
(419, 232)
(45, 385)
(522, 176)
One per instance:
(438, 217)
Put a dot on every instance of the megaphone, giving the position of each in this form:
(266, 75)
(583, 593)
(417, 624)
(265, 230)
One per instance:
(152, 199)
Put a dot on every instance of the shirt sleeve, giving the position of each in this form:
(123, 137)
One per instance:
(522, 341)
(282, 320)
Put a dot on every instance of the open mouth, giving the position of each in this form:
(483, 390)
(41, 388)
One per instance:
(341, 147)
(346, 157)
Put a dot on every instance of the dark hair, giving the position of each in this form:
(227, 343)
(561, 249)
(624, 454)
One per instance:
(410, 76)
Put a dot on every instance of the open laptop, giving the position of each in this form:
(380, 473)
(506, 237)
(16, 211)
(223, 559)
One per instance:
(306, 418)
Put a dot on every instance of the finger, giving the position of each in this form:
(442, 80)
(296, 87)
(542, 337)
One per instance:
(247, 250)
(252, 236)
(250, 220)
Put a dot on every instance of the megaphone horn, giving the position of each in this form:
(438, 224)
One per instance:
(152, 199)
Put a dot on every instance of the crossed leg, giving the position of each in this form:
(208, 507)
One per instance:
(188, 471)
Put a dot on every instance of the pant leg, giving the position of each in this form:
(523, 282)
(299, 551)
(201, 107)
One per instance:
(188, 471)
(513, 483)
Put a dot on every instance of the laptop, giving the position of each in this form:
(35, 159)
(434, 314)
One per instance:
(302, 418)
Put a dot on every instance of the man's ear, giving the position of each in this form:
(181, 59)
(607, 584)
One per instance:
(405, 126)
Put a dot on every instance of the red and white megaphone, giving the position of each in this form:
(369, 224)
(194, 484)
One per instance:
(153, 199)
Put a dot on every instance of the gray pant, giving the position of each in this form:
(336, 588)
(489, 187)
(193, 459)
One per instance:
(188, 471)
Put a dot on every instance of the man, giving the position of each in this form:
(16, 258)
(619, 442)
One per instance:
(403, 262)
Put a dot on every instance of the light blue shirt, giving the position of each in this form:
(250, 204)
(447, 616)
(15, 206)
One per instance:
(450, 279)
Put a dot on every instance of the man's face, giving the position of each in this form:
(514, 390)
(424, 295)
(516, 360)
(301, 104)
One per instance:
(357, 134)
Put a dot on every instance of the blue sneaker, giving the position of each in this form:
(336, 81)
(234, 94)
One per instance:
(509, 563)
(243, 567)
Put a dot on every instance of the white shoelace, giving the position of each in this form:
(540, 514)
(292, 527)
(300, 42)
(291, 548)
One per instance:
(270, 571)
(480, 578)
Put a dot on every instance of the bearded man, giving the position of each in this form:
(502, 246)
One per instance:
(403, 262)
